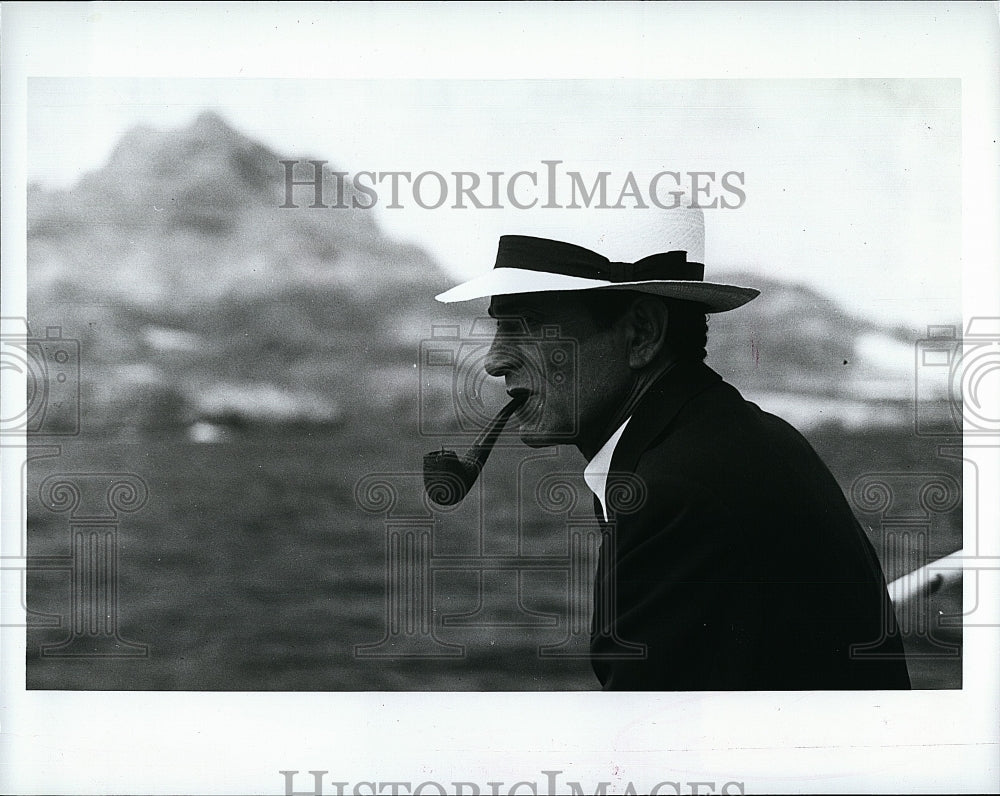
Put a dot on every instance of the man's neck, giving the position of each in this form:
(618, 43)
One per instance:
(626, 408)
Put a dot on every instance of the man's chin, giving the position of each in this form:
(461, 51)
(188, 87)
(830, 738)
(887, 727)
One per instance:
(534, 438)
(537, 442)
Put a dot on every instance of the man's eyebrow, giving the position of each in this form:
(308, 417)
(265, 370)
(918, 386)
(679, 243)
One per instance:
(514, 311)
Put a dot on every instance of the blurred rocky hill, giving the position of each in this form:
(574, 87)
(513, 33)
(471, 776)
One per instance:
(195, 296)
(803, 356)
(202, 305)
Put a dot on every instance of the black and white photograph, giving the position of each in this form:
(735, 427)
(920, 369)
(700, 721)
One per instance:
(354, 405)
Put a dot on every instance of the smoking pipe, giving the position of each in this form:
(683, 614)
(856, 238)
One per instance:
(448, 477)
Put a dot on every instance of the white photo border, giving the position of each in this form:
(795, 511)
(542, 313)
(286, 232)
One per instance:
(125, 742)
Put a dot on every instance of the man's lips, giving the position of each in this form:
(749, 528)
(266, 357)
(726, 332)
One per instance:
(525, 397)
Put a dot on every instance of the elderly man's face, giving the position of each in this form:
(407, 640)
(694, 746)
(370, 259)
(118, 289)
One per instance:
(574, 372)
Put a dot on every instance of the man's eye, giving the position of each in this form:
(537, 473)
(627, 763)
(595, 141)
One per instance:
(515, 326)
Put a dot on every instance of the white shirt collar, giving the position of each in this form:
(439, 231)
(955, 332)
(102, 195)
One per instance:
(596, 473)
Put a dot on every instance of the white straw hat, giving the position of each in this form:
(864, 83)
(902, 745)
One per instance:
(527, 264)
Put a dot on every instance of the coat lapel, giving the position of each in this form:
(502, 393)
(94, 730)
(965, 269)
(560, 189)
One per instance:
(657, 408)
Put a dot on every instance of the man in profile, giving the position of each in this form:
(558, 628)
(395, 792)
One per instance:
(737, 563)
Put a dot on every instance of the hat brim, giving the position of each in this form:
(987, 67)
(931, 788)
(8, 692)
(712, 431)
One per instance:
(506, 281)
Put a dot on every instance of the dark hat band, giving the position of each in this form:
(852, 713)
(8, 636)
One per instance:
(556, 257)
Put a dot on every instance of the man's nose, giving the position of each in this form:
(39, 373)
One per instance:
(502, 358)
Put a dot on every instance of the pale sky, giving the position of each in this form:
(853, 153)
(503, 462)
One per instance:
(852, 186)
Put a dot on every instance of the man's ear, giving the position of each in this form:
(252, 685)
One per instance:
(647, 326)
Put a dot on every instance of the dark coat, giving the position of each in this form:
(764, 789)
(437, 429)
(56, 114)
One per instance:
(739, 564)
